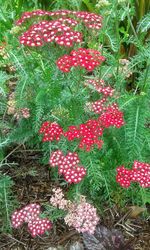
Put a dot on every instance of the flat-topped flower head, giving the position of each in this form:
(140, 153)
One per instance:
(112, 116)
(30, 215)
(58, 31)
(51, 131)
(26, 214)
(39, 226)
(140, 173)
(90, 20)
(80, 214)
(86, 58)
(68, 166)
(82, 217)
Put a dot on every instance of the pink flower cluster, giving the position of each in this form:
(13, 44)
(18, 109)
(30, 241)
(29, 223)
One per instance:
(83, 218)
(30, 214)
(58, 200)
(91, 20)
(68, 166)
(51, 31)
(140, 172)
(99, 106)
(81, 215)
(87, 58)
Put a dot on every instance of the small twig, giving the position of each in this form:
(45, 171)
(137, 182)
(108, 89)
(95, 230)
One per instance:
(123, 218)
(67, 237)
(126, 230)
(129, 227)
(10, 153)
(11, 237)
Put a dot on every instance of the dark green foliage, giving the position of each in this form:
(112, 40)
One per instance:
(7, 203)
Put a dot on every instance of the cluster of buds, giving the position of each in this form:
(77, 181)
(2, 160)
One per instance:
(12, 110)
(11, 104)
(25, 113)
(102, 3)
(22, 113)
(58, 200)
(98, 106)
(140, 172)
(86, 58)
(81, 215)
(90, 20)
(124, 67)
(51, 31)
(68, 166)
(30, 214)
(51, 130)
(100, 87)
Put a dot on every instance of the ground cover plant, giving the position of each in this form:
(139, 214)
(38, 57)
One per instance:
(75, 88)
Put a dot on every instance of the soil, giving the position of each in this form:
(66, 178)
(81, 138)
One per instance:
(32, 183)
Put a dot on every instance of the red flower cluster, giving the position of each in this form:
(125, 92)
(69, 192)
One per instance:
(100, 87)
(88, 133)
(68, 166)
(87, 58)
(51, 130)
(30, 214)
(91, 20)
(140, 172)
(112, 117)
(51, 31)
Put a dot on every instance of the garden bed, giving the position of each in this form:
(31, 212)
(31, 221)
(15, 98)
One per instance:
(32, 183)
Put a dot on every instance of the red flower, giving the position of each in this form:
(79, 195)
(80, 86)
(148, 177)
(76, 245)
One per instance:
(140, 172)
(51, 31)
(112, 117)
(52, 131)
(87, 58)
(91, 20)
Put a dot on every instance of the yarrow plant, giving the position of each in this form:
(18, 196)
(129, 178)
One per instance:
(100, 113)
(80, 215)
